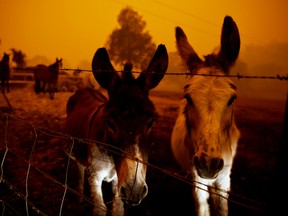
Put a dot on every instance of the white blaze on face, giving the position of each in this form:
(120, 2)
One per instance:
(132, 174)
(137, 168)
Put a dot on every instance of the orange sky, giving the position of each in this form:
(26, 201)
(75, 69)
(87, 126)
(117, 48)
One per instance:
(73, 30)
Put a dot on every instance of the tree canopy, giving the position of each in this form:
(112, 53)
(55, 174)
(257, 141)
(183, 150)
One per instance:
(18, 58)
(130, 42)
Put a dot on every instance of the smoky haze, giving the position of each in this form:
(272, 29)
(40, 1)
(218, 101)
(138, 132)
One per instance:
(269, 60)
(254, 60)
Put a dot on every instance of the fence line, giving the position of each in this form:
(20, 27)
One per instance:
(238, 75)
(244, 201)
(46, 175)
(55, 134)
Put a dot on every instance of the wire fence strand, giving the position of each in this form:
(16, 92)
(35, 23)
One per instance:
(188, 73)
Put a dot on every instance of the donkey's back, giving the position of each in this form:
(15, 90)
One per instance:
(80, 108)
(83, 99)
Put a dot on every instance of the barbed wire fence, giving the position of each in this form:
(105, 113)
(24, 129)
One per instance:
(238, 75)
(31, 163)
(35, 155)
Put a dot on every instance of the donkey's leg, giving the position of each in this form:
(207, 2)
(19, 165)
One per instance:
(37, 86)
(201, 196)
(220, 204)
(50, 90)
(51, 95)
(96, 175)
(220, 197)
(54, 89)
(43, 88)
(81, 175)
(95, 182)
(118, 205)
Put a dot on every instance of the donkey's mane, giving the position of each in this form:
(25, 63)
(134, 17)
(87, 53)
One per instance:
(127, 76)
(55, 65)
(211, 60)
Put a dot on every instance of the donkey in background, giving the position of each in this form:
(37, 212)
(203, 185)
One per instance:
(5, 72)
(47, 75)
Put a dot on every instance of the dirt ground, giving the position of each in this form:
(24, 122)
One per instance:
(34, 169)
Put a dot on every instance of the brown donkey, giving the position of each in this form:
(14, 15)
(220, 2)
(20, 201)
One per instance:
(118, 130)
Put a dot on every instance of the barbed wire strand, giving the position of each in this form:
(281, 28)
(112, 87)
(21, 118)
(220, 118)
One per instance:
(22, 196)
(188, 73)
(4, 205)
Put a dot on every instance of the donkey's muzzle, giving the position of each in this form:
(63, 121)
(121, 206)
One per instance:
(133, 198)
(208, 168)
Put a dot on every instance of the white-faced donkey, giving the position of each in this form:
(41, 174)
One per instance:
(205, 136)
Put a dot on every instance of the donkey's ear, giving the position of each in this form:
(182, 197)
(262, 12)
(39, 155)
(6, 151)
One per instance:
(185, 50)
(156, 69)
(230, 44)
(103, 70)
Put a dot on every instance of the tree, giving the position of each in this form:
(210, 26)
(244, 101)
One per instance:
(18, 58)
(130, 43)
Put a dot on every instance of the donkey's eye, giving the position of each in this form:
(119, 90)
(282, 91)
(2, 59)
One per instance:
(188, 98)
(110, 125)
(231, 100)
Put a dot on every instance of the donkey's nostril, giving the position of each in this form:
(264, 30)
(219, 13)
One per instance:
(200, 162)
(196, 161)
(134, 197)
(123, 192)
(217, 163)
(208, 167)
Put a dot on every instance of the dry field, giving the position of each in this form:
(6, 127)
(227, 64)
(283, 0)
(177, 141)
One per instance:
(29, 134)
